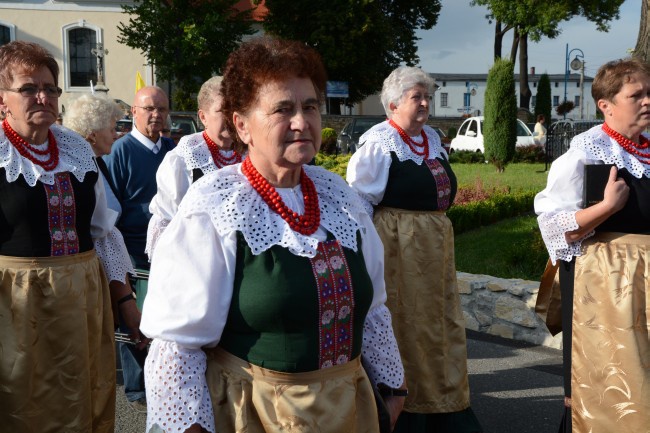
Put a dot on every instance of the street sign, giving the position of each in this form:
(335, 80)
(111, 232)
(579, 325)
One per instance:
(337, 89)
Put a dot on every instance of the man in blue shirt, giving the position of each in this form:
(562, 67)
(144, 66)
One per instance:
(132, 166)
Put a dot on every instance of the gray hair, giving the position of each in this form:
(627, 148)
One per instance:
(89, 113)
(400, 81)
(210, 91)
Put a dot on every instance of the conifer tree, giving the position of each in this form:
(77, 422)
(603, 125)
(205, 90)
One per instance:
(500, 122)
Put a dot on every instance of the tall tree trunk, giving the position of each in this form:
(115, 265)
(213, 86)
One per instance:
(642, 49)
(498, 40)
(515, 44)
(524, 89)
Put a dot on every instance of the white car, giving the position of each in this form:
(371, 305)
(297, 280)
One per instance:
(470, 135)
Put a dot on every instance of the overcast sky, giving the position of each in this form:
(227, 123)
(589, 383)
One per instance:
(463, 41)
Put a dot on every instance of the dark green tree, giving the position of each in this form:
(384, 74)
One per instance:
(188, 41)
(532, 19)
(500, 122)
(360, 42)
(543, 102)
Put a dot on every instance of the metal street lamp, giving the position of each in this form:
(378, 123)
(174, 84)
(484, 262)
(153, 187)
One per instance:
(577, 63)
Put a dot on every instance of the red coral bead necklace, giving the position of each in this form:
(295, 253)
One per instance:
(629, 145)
(410, 142)
(220, 160)
(28, 151)
(305, 224)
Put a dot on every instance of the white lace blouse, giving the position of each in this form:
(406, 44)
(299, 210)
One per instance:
(369, 166)
(75, 157)
(557, 204)
(192, 276)
(173, 178)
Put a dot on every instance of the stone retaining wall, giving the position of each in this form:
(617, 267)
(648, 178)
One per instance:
(504, 307)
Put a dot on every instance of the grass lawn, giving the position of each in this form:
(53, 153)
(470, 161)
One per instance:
(516, 177)
(512, 248)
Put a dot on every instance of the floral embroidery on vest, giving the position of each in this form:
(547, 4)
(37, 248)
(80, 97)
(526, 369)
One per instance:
(443, 185)
(336, 303)
(62, 216)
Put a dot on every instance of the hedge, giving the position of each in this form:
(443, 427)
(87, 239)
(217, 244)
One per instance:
(473, 215)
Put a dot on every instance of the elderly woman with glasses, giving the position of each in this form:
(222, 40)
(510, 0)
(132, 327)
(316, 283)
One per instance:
(196, 155)
(58, 250)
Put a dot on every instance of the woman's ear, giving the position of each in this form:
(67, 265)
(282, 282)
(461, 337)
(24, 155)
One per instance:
(604, 106)
(90, 138)
(241, 125)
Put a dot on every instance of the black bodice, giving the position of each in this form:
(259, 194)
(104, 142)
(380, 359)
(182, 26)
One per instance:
(635, 216)
(24, 221)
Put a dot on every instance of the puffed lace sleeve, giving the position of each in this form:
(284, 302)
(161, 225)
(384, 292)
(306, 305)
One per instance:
(173, 180)
(379, 346)
(108, 242)
(368, 173)
(190, 287)
(557, 204)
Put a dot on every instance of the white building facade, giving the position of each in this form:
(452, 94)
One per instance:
(464, 94)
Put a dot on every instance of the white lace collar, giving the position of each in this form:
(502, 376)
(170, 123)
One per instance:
(390, 141)
(598, 145)
(75, 156)
(233, 205)
(196, 154)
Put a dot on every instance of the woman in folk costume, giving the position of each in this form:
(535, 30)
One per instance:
(267, 286)
(604, 251)
(196, 155)
(58, 251)
(402, 171)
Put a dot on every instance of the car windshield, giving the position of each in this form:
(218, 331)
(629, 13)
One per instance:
(362, 125)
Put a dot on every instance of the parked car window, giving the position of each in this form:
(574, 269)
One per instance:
(473, 127)
(463, 128)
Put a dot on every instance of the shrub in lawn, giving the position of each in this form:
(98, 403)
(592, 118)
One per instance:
(328, 145)
(500, 123)
(475, 214)
(532, 153)
(466, 157)
(335, 163)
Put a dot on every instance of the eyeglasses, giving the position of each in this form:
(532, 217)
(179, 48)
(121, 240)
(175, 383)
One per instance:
(31, 91)
(151, 109)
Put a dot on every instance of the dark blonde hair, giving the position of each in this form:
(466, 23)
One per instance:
(261, 61)
(611, 77)
(28, 56)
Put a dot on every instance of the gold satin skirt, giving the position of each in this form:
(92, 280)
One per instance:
(57, 356)
(420, 274)
(610, 355)
(251, 399)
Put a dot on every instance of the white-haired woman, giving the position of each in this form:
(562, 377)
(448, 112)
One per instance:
(402, 171)
(94, 117)
(196, 154)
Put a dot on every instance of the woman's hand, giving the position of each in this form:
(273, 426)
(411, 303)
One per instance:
(394, 404)
(616, 192)
(127, 312)
(195, 428)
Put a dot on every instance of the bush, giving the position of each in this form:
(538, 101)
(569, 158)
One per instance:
(466, 157)
(328, 145)
(472, 215)
(451, 132)
(543, 101)
(500, 124)
(335, 163)
(531, 154)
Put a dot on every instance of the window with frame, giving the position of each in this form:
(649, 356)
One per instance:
(444, 99)
(533, 101)
(576, 101)
(79, 63)
(7, 33)
(556, 101)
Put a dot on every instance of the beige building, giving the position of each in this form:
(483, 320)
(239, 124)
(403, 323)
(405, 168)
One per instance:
(70, 30)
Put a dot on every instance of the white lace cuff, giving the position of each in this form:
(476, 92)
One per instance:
(157, 226)
(554, 226)
(380, 350)
(177, 392)
(113, 256)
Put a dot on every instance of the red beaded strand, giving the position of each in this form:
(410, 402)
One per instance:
(220, 160)
(630, 146)
(28, 151)
(305, 224)
(409, 141)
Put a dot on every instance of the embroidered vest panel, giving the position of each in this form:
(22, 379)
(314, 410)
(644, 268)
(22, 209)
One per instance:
(426, 187)
(45, 220)
(283, 319)
(635, 215)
